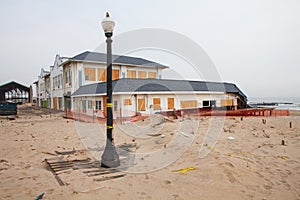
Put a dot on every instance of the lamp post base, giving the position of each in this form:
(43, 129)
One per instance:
(110, 158)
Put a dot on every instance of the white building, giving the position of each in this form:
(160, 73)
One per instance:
(78, 84)
(90, 67)
(41, 92)
(57, 82)
(148, 96)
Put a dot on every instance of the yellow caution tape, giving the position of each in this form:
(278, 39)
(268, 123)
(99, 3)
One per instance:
(109, 105)
(109, 127)
(184, 170)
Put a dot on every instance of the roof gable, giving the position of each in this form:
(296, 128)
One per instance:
(12, 85)
(43, 73)
(57, 62)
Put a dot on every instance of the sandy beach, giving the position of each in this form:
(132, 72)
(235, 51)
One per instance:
(248, 161)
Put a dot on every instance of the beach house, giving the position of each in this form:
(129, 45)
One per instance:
(90, 67)
(78, 84)
(68, 74)
(149, 96)
(43, 93)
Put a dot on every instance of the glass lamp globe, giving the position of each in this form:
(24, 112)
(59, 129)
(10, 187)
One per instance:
(108, 24)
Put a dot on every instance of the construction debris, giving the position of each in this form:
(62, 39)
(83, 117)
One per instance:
(92, 168)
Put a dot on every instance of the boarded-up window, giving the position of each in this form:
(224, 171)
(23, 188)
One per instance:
(170, 103)
(226, 102)
(127, 102)
(188, 104)
(90, 74)
(142, 74)
(115, 74)
(131, 74)
(101, 74)
(151, 74)
(156, 103)
(141, 105)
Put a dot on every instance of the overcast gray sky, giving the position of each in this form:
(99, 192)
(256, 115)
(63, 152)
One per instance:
(254, 44)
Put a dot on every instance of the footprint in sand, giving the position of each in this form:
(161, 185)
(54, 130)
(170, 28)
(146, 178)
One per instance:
(229, 164)
(230, 176)
(143, 195)
(4, 165)
(286, 184)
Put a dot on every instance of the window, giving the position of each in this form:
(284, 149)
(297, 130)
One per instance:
(61, 81)
(54, 82)
(90, 74)
(115, 74)
(170, 103)
(131, 74)
(68, 75)
(101, 74)
(127, 102)
(141, 105)
(79, 78)
(98, 105)
(226, 102)
(209, 103)
(90, 104)
(151, 74)
(83, 105)
(213, 103)
(156, 103)
(115, 105)
(57, 82)
(205, 103)
(142, 74)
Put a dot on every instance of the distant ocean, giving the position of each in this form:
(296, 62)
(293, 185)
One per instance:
(282, 103)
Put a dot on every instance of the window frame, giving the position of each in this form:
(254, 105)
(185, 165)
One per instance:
(90, 104)
(98, 105)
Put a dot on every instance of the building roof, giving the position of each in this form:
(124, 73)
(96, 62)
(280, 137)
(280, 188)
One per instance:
(12, 85)
(158, 85)
(117, 59)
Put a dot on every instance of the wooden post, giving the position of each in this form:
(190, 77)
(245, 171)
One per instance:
(290, 124)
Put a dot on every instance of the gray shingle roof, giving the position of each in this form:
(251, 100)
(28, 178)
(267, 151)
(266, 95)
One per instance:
(117, 59)
(159, 85)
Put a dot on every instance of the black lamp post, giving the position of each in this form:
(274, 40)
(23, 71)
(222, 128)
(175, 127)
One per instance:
(110, 158)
